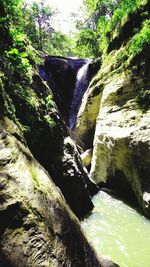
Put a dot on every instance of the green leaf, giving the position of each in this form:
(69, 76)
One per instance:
(24, 54)
(13, 51)
(25, 61)
(19, 37)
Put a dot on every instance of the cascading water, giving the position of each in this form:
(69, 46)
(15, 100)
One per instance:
(68, 78)
(81, 85)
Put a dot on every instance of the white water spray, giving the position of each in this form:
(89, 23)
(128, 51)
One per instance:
(82, 82)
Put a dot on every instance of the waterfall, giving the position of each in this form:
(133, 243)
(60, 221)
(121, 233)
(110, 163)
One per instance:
(68, 78)
(81, 85)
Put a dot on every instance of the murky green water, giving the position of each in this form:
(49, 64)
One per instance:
(118, 232)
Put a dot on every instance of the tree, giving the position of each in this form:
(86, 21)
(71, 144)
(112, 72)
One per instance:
(98, 13)
(98, 8)
(38, 23)
(87, 43)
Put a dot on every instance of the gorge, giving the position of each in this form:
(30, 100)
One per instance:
(71, 128)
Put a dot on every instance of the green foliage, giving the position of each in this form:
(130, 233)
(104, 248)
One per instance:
(125, 7)
(18, 57)
(60, 45)
(102, 28)
(17, 81)
(33, 24)
(49, 121)
(37, 24)
(50, 102)
(35, 176)
(91, 40)
(7, 107)
(119, 18)
(143, 98)
(17, 36)
(105, 19)
(98, 8)
(140, 40)
(16, 68)
(109, 27)
(13, 9)
(87, 44)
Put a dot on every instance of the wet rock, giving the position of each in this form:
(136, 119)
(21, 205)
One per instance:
(61, 79)
(69, 79)
(76, 180)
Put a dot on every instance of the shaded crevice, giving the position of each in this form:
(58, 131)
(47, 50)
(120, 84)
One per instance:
(12, 217)
(4, 262)
(119, 186)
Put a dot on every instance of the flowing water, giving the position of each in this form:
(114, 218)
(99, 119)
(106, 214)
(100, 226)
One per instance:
(118, 232)
(82, 82)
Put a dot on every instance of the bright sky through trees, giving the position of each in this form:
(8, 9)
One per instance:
(65, 21)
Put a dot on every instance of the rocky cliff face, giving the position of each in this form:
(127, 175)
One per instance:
(47, 137)
(114, 122)
(41, 172)
(37, 227)
(121, 143)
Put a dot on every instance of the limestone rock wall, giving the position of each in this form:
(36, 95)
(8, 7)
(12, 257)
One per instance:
(122, 140)
(114, 118)
(37, 227)
(121, 129)
(88, 113)
(45, 133)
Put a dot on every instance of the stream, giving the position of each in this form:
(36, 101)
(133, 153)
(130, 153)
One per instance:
(118, 232)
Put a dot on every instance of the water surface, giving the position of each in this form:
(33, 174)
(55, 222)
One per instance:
(118, 232)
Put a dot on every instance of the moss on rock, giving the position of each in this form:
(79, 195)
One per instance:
(37, 227)
(121, 142)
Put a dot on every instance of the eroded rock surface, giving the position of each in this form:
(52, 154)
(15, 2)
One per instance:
(37, 227)
(45, 135)
(114, 121)
(122, 143)
(121, 147)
